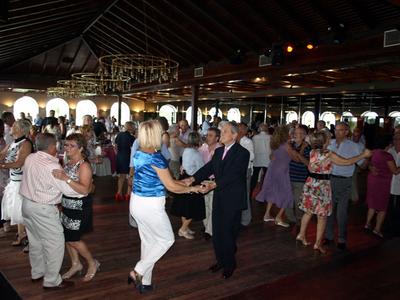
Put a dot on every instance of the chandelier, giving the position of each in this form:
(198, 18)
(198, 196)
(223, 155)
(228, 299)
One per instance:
(118, 74)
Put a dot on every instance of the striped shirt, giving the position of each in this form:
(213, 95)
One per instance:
(297, 170)
(39, 185)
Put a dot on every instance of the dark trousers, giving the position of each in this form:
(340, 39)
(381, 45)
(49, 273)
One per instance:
(254, 177)
(226, 225)
(392, 221)
(341, 193)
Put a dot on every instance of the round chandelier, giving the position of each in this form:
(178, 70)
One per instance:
(118, 74)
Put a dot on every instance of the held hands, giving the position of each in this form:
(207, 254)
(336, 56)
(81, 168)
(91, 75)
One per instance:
(207, 185)
(367, 153)
(187, 181)
(59, 174)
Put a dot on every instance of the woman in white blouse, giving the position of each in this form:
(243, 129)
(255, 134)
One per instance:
(189, 206)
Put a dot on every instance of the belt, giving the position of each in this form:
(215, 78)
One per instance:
(338, 176)
(320, 176)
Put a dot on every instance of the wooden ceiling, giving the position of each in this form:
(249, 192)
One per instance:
(43, 41)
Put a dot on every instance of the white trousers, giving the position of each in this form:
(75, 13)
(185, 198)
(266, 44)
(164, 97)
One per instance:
(46, 241)
(156, 235)
(207, 222)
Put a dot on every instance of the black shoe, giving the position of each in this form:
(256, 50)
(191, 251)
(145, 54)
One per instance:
(341, 246)
(227, 273)
(36, 279)
(207, 236)
(146, 288)
(215, 268)
(327, 242)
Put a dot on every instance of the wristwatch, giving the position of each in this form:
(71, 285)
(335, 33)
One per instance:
(69, 180)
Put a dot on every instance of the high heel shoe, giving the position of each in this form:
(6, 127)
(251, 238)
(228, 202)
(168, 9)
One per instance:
(118, 197)
(185, 234)
(281, 223)
(19, 241)
(127, 197)
(319, 249)
(303, 241)
(88, 277)
(75, 269)
(136, 279)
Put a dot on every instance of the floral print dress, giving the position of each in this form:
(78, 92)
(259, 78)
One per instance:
(317, 195)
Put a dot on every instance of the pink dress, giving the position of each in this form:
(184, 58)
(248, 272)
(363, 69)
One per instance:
(378, 186)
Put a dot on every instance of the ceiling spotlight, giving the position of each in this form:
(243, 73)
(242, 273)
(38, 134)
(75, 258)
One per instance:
(310, 46)
(289, 49)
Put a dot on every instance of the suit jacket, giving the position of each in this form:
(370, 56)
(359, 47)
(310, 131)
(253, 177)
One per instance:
(230, 176)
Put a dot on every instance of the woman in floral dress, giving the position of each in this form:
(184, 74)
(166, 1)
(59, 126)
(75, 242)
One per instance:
(317, 197)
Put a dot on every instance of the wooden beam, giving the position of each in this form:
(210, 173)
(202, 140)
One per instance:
(186, 32)
(238, 42)
(219, 43)
(106, 9)
(187, 47)
(81, 42)
(194, 104)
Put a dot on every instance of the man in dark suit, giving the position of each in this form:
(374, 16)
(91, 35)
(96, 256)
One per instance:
(229, 167)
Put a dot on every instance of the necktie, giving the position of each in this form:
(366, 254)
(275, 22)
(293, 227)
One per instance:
(225, 151)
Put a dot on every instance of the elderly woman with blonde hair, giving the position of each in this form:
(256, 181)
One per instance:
(14, 156)
(147, 203)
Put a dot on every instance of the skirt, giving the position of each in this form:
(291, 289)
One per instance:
(11, 204)
(190, 206)
(76, 217)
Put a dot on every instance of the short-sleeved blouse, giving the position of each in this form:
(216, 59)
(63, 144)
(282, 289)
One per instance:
(146, 182)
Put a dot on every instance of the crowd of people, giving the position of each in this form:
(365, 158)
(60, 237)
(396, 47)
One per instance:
(212, 176)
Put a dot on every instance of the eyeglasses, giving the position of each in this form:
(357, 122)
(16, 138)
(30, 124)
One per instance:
(71, 146)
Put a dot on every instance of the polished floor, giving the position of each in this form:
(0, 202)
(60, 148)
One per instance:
(270, 265)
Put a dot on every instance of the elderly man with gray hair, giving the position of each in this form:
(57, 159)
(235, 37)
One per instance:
(41, 194)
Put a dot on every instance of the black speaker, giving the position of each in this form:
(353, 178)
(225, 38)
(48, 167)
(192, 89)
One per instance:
(277, 55)
(7, 291)
(3, 11)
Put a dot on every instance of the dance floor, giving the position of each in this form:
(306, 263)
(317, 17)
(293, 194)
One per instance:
(270, 265)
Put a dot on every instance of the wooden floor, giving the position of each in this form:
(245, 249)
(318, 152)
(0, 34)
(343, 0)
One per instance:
(266, 255)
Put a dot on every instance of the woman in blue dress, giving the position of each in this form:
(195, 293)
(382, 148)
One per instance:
(147, 204)
(123, 144)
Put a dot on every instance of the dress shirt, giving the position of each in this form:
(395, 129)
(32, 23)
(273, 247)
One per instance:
(183, 137)
(346, 149)
(247, 143)
(205, 152)
(135, 147)
(395, 185)
(262, 149)
(204, 127)
(191, 161)
(39, 185)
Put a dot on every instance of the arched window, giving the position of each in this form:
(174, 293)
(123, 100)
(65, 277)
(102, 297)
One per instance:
(347, 114)
(369, 116)
(211, 112)
(234, 115)
(189, 116)
(329, 118)
(291, 116)
(169, 112)
(27, 105)
(308, 119)
(60, 107)
(85, 107)
(125, 112)
(394, 114)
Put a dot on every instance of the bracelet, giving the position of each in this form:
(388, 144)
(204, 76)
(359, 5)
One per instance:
(69, 180)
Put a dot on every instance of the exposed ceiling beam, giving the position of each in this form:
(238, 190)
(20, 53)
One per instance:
(78, 49)
(219, 43)
(199, 42)
(106, 9)
(186, 46)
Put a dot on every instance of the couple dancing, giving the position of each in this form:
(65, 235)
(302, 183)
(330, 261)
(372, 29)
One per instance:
(147, 205)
